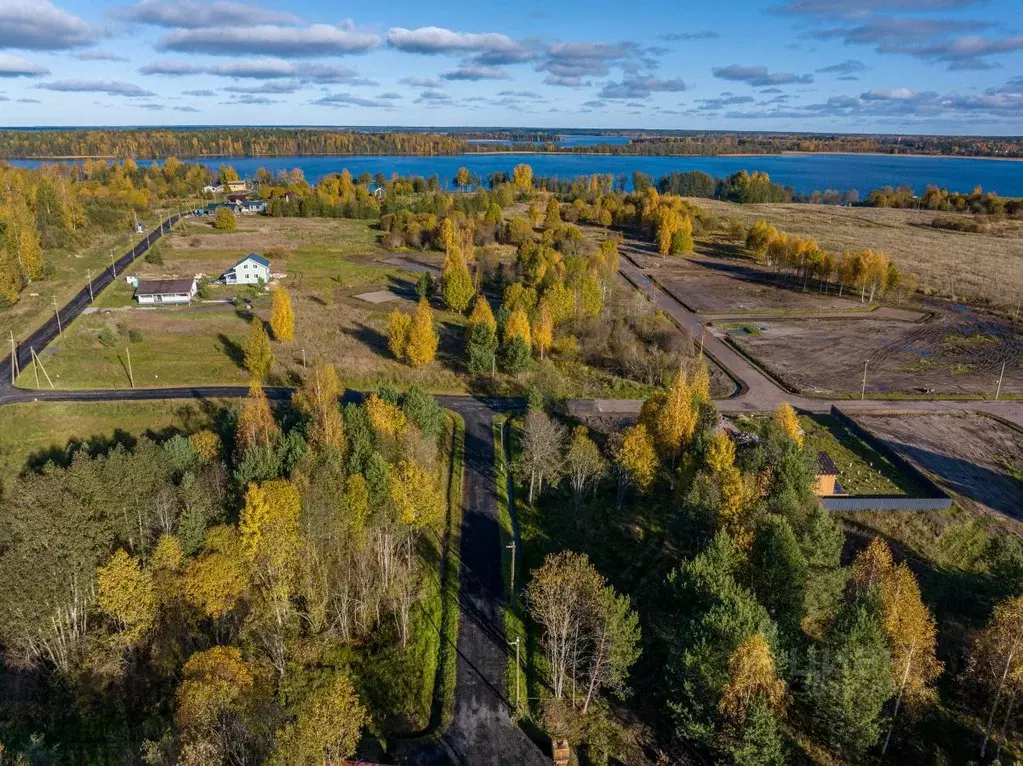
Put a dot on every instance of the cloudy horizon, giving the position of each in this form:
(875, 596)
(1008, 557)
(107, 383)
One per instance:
(901, 66)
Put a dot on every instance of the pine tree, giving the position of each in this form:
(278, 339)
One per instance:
(850, 680)
(422, 338)
(778, 571)
(481, 348)
(515, 355)
(282, 317)
(258, 353)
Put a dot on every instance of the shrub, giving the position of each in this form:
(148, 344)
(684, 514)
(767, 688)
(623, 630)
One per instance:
(154, 256)
(204, 290)
(107, 337)
(278, 253)
(224, 219)
(135, 335)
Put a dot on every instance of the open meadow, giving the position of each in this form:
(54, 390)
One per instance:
(330, 263)
(983, 269)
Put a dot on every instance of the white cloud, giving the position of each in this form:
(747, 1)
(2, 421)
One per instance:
(293, 42)
(14, 66)
(193, 14)
(433, 40)
(39, 25)
(97, 86)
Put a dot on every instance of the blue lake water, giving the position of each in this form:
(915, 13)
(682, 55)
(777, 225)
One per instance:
(804, 173)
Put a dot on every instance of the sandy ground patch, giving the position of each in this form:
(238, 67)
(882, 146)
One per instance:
(968, 454)
(955, 353)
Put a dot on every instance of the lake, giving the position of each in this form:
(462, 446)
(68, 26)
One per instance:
(804, 173)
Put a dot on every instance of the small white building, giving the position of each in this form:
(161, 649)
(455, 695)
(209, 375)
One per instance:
(248, 271)
(165, 292)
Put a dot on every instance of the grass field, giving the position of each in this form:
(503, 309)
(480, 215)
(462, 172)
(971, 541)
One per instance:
(72, 267)
(332, 261)
(32, 432)
(975, 268)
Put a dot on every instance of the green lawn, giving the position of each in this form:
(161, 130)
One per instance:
(514, 619)
(862, 469)
(37, 430)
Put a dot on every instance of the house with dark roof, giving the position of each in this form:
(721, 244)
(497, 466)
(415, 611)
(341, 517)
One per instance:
(248, 271)
(165, 292)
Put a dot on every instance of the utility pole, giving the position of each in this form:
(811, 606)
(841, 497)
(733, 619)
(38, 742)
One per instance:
(863, 389)
(15, 371)
(35, 358)
(511, 547)
(998, 391)
(702, 335)
(131, 376)
(517, 642)
(113, 261)
(56, 312)
(92, 298)
(303, 359)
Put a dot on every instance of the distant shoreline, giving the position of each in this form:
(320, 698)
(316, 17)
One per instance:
(66, 158)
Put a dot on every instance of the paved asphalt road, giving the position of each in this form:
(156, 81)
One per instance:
(482, 732)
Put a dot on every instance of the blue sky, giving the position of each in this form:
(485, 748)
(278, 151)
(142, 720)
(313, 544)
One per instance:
(899, 66)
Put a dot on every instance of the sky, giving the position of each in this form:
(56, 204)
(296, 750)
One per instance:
(857, 66)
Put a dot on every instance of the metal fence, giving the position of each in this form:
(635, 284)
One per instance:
(934, 497)
(886, 503)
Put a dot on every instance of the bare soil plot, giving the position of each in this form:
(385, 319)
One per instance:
(721, 285)
(955, 353)
(971, 455)
(976, 268)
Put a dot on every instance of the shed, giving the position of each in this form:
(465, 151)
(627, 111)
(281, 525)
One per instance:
(827, 475)
(248, 271)
(165, 292)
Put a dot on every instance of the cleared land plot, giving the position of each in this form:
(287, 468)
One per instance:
(978, 268)
(722, 285)
(332, 261)
(954, 354)
(32, 433)
(971, 455)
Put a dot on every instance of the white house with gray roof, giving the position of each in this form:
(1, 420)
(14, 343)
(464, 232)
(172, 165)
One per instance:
(248, 271)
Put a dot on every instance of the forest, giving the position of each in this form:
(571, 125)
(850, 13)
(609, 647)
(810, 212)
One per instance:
(743, 624)
(265, 589)
(152, 143)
